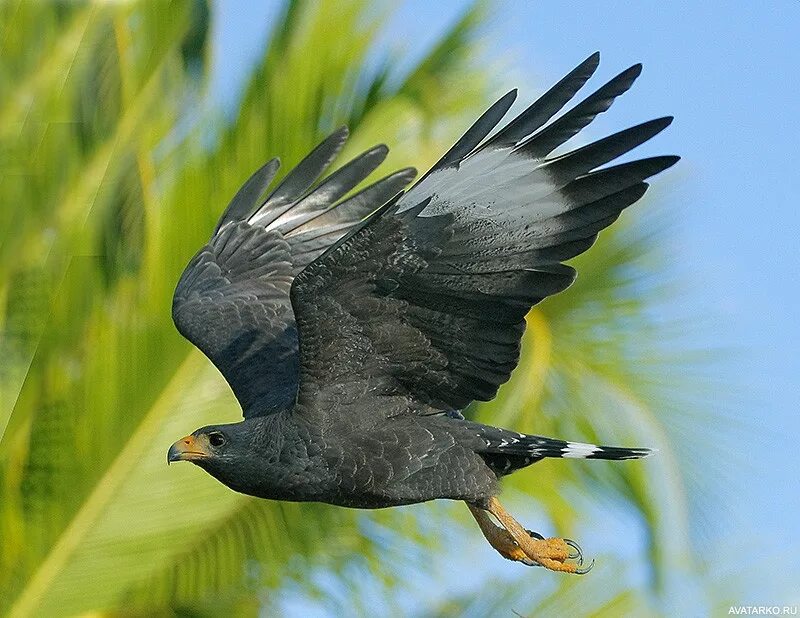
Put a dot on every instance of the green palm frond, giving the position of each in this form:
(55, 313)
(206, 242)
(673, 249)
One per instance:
(72, 174)
(90, 517)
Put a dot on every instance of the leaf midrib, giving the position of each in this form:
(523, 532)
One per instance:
(103, 492)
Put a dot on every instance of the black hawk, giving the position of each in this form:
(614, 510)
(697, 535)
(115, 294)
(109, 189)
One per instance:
(353, 330)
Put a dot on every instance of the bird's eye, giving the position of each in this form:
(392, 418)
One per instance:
(216, 439)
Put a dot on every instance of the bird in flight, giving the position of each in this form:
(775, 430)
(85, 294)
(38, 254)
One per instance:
(354, 329)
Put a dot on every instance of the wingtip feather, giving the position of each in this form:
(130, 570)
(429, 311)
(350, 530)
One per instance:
(593, 60)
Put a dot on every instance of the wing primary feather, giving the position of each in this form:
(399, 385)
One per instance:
(608, 180)
(371, 217)
(585, 159)
(332, 188)
(301, 178)
(348, 176)
(479, 130)
(546, 106)
(246, 198)
(376, 195)
(568, 125)
(356, 207)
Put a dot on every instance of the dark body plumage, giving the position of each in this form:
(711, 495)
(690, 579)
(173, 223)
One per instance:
(353, 331)
(403, 460)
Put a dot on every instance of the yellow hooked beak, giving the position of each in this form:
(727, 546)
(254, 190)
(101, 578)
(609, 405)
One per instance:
(188, 449)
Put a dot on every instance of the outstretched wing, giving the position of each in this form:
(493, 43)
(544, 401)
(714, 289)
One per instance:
(232, 300)
(421, 308)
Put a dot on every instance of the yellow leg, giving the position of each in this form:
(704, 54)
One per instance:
(514, 542)
(498, 537)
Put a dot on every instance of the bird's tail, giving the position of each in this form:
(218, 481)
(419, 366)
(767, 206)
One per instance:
(506, 451)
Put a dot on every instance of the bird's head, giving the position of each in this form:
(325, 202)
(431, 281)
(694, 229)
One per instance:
(204, 444)
(240, 455)
(218, 449)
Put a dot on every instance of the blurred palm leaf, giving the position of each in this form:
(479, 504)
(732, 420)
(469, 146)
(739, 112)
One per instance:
(118, 171)
(605, 596)
(86, 512)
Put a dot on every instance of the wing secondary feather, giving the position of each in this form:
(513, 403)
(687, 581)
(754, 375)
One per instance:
(232, 300)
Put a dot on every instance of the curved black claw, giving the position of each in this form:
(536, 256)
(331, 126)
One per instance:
(534, 535)
(578, 554)
(586, 569)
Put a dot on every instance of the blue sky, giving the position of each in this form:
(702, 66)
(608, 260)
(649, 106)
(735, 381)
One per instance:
(728, 72)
